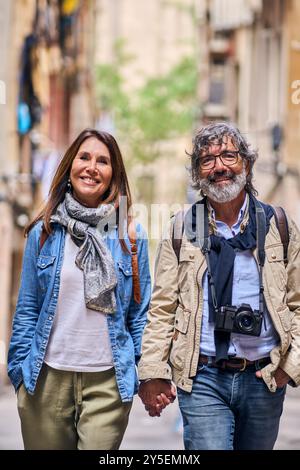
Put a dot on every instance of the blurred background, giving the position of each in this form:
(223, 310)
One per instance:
(150, 72)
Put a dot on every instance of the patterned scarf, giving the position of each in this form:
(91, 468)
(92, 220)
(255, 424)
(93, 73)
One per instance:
(93, 258)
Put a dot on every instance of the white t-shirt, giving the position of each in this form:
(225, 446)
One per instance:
(79, 339)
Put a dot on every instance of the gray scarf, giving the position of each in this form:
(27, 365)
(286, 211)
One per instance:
(93, 258)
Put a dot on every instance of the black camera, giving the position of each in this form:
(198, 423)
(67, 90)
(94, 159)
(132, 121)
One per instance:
(241, 319)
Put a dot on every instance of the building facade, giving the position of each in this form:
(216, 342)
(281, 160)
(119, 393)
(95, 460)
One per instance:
(251, 65)
(46, 56)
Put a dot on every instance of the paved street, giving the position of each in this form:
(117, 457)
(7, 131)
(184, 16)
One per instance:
(146, 433)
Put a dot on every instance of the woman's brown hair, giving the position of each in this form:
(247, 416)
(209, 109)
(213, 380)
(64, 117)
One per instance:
(118, 187)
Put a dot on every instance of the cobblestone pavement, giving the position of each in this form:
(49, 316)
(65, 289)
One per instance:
(144, 432)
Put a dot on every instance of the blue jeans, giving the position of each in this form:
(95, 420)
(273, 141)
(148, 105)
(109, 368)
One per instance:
(229, 410)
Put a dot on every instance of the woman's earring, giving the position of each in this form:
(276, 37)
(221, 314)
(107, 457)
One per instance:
(69, 185)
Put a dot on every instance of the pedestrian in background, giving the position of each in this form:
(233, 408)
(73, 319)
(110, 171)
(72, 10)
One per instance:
(224, 319)
(82, 305)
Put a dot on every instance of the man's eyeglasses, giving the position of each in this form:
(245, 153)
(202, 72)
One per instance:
(228, 158)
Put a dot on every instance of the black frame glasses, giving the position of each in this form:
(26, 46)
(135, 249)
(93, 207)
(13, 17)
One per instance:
(228, 158)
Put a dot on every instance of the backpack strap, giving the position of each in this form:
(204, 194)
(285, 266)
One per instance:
(283, 229)
(177, 233)
(281, 224)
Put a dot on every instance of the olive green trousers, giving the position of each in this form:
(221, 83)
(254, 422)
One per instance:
(73, 410)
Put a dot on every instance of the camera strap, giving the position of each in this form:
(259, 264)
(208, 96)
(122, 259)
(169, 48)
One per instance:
(205, 245)
(203, 240)
(260, 243)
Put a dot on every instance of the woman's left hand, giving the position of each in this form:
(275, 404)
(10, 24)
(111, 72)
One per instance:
(281, 377)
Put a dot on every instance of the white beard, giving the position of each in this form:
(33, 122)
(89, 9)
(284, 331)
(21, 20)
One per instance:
(224, 193)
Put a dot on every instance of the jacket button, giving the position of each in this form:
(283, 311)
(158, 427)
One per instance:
(273, 256)
(50, 317)
(192, 256)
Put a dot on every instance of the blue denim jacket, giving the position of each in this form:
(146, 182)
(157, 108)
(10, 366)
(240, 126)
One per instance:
(36, 306)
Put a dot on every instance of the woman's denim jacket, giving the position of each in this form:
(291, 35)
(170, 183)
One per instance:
(36, 306)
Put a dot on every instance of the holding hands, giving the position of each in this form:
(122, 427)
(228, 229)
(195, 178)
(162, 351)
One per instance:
(156, 394)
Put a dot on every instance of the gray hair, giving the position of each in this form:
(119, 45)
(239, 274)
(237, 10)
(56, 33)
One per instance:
(214, 133)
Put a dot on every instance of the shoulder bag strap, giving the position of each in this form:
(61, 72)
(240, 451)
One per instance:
(135, 270)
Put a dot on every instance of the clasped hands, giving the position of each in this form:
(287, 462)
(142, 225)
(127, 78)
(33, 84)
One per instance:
(156, 394)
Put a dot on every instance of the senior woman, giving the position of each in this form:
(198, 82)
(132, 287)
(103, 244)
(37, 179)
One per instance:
(81, 310)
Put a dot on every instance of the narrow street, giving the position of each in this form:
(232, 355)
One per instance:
(145, 433)
(117, 114)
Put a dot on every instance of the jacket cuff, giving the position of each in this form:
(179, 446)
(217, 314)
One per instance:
(290, 369)
(154, 371)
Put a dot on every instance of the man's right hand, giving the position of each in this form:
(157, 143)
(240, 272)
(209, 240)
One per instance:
(156, 394)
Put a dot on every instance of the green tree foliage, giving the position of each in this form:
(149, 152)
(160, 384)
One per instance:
(165, 105)
(163, 108)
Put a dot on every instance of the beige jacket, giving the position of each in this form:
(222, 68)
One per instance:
(171, 340)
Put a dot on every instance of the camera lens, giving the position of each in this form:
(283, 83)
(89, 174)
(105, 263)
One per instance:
(244, 321)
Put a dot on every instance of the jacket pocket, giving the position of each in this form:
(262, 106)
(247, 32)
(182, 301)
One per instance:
(44, 261)
(180, 338)
(44, 270)
(124, 280)
(275, 259)
(182, 319)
